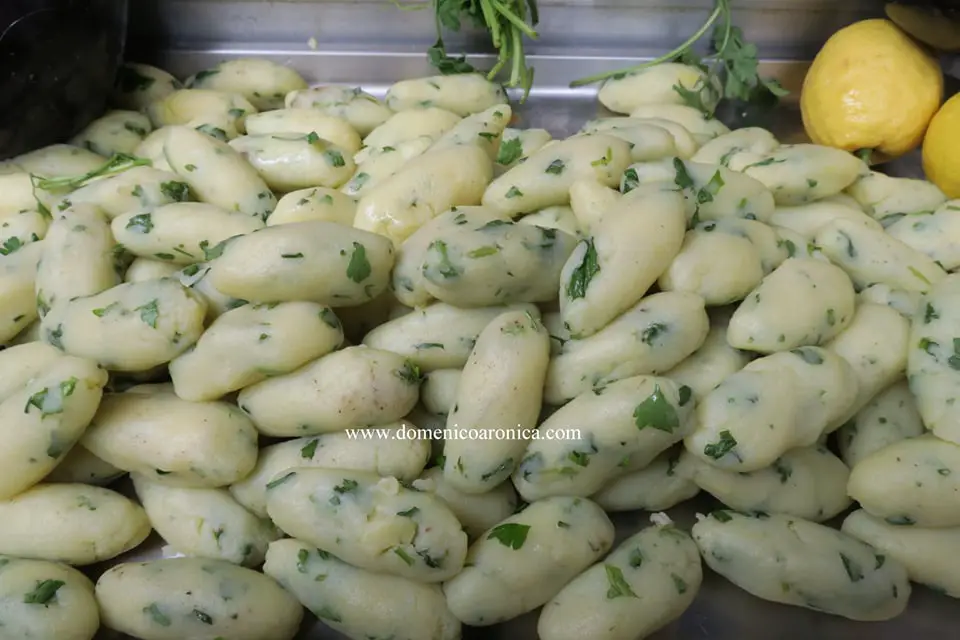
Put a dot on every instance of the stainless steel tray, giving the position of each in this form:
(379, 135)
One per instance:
(345, 42)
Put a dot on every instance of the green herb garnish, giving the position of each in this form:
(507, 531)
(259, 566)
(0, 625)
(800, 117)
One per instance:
(10, 245)
(656, 412)
(582, 275)
(45, 591)
(618, 585)
(725, 445)
(854, 572)
(118, 163)
(359, 268)
(507, 22)
(510, 151)
(732, 61)
(141, 223)
(307, 450)
(510, 534)
(555, 168)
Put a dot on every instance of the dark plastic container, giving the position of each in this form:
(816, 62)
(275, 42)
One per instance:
(58, 61)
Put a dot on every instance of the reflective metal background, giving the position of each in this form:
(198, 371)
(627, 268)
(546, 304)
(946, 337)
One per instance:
(371, 43)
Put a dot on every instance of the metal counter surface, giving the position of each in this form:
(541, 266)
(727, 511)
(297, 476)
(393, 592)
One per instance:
(185, 36)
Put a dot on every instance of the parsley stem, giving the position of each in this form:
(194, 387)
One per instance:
(501, 61)
(726, 35)
(516, 74)
(534, 12)
(490, 17)
(507, 24)
(439, 25)
(118, 163)
(513, 19)
(721, 7)
(527, 84)
(508, 39)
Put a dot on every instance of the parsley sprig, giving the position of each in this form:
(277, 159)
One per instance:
(733, 64)
(118, 163)
(507, 21)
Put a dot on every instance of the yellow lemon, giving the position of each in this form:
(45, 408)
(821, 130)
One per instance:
(941, 148)
(871, 87)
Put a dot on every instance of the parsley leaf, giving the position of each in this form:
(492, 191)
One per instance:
(156, 615)
(808, 355)
(584, 272)
(200, 76)
(410, 373)
(725, 445)
(49, 400)
(358, 268)
(618, 585)
(700, 195)
(10, 245)
(721, 516)
(212, 253)
(335, 158)
(510, 534)
(302, 557)
(202, 616)
(445, 267)
(853, 569)
(739, 60)
(141, 223)
(308, 450)
(176, 191)
(447, 65)
(702, 96)
(346, 486)
(555, 168)
(656, 412)
(652, 332)
(150, 312)
(510, 151)
(506, 22)
(214, 132)
(679, 583)
(783, 470)
(733, 63)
